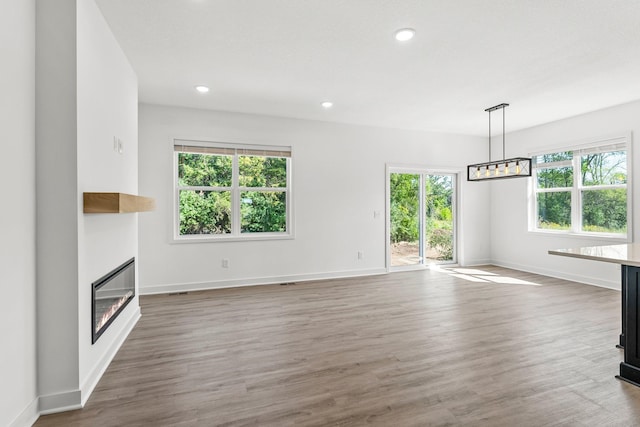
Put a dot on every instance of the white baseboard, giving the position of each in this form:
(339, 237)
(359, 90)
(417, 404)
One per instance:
(28, 416)
(235, 283)
(76, 399)
(60, 402)
(587, 280)
(98, 370)
(476, 262)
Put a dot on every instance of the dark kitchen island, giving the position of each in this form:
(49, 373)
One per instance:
(628, 256)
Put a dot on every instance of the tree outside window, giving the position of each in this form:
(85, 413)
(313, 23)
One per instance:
(226, 191)
(582, 191)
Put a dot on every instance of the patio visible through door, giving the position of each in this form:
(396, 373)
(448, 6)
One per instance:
(422, 218)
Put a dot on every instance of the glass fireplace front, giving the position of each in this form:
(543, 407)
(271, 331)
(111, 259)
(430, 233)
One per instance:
(111, 294)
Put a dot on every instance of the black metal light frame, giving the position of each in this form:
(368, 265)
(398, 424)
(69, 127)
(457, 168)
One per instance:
(515, 167)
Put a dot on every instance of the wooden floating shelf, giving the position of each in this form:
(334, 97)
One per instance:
(116, 203)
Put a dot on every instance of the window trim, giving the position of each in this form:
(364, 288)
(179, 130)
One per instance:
(604, 144)
(235, 150)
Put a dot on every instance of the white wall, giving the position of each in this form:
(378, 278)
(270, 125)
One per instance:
(18, 393)
(86, 95)
(107, 94)
(56, 197)
(512, 245)
(338, 183)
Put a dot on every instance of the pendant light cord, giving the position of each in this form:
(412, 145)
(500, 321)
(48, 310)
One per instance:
(489, 135)
(489, 110)
(503, 156)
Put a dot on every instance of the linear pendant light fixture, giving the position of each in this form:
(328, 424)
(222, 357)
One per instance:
(496, 169)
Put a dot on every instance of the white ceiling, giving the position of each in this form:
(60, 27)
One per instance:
(549, 59)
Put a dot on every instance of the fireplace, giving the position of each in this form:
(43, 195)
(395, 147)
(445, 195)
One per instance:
(111, 294)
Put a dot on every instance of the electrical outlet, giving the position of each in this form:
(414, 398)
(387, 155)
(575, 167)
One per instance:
(225, 263)
(376, 214)
(120, 146)
(360, 255)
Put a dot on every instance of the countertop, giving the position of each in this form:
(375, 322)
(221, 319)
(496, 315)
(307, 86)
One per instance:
(626, 254)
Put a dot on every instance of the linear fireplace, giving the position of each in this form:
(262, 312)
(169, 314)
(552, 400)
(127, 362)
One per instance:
(111, 294)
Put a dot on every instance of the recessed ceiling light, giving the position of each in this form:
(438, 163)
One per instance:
(405, 34)
(327, 104)
(202, 89)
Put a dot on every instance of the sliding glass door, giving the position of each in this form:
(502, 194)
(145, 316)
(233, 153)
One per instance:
(438, 215)
(406, 225)
(421, 218)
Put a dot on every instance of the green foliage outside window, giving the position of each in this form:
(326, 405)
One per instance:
(204, 170)
(405, 211)
(209, 210)
(263, 212)
(554, 210)
(604, 168)
(405, 207)
(439, 218)
(555, 177)
(205, 212)
(258, 171)
(604, 210)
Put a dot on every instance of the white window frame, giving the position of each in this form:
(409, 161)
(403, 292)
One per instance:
(602, 145)
(236, 190)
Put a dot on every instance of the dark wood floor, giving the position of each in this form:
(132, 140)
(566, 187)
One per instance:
(403, 349)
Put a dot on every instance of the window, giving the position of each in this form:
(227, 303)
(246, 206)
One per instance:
(227, 191)
(582, 191)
